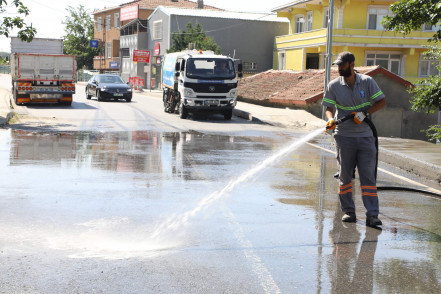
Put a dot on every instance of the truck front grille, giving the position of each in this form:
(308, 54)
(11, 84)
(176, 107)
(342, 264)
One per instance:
(210, 87)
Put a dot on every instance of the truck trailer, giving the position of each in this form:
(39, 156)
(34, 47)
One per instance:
(41, 73)
(199, 81)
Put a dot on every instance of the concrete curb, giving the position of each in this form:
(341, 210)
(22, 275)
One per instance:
(4, 120)
(410, 164)
(248, 116)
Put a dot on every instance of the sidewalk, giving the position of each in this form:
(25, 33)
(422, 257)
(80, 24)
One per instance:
(414, 156)
(281, 117)
(5, 109)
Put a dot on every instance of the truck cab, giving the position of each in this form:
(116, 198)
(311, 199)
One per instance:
(199, 81)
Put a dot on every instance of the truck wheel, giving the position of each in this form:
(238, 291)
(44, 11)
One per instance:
(65, 103)
(166, 100)
(164, 97)
(183, 112)
(168, 106)
(170, 103)
(228, 114)
(14, 95)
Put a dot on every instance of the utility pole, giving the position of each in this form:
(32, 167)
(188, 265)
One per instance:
(328, 59)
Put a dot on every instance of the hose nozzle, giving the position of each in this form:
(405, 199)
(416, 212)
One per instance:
(330, 127)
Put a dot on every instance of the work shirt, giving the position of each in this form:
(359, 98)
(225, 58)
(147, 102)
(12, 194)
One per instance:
(339, 95)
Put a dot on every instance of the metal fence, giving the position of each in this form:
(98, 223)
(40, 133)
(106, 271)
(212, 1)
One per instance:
(5, 69)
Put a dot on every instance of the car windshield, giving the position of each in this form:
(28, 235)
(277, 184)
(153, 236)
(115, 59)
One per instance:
(110, 80)
(210, 68)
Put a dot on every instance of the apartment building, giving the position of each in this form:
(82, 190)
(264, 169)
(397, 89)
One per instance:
(131, 16)
(357, 28)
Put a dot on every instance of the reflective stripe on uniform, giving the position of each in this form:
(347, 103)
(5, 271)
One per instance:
(345, 189)
(347, 107)
(376, 95)
(369, 191)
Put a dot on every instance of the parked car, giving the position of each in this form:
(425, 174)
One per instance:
(108, 87)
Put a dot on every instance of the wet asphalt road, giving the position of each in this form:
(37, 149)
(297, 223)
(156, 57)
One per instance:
(161, 211)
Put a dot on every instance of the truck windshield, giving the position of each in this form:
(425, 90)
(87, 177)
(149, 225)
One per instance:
(210, 68)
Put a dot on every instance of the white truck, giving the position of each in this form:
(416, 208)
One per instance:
(41, 73)
(197, 80)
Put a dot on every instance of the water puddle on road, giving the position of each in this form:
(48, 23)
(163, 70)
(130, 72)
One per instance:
(211, 201)
(99, 194)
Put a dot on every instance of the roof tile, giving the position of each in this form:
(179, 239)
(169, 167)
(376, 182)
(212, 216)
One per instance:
(152, 4)
(289, 87)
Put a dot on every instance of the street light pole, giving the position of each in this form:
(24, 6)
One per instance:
(328, 59)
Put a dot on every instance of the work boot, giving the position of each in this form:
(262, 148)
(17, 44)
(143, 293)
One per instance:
(349, 217)
(373, 221)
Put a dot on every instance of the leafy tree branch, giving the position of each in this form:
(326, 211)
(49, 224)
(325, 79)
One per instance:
(26, 32)
(193, 34)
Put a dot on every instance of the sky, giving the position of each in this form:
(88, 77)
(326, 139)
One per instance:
(46, 15)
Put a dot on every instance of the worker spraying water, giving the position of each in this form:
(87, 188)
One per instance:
(355, 96)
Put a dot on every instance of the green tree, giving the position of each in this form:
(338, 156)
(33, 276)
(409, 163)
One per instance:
(193, 34)
(411, 15)
(26, 32)
(427, 94)
(79, 31)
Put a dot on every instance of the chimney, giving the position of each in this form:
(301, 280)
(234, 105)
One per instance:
(201, 4)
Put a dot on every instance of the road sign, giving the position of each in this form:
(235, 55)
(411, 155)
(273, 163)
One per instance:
(141, 56)
(93, 43)
(157, 48)
(114, 64)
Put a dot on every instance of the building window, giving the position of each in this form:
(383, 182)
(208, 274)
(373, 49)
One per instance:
(99, 21)
(108, 22)
(125, 52)
(375, 16)
(391, 62)
(309, 21)
(428, 67)
(427, 27)
(299, 21)
(325, 16)
(116, 20)
(249, 66)
(281, 60)
(109, 49)
(157, 30)
(430, 27)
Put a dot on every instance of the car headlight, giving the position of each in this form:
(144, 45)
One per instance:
(233, 93)
(129, 90)
(188, 92)
(103, 89)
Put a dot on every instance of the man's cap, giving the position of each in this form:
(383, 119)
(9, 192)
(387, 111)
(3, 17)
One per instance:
(344, 57)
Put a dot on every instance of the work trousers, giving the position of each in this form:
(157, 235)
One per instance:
(357, 152)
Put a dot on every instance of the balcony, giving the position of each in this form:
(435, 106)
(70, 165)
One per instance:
(355, 37)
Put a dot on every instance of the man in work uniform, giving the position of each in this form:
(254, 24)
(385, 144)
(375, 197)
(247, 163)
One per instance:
(360, 95)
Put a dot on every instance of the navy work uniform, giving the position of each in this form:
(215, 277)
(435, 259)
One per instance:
(355, 143)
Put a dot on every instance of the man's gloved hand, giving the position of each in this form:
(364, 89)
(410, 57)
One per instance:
(359, 117)
(330, 125)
